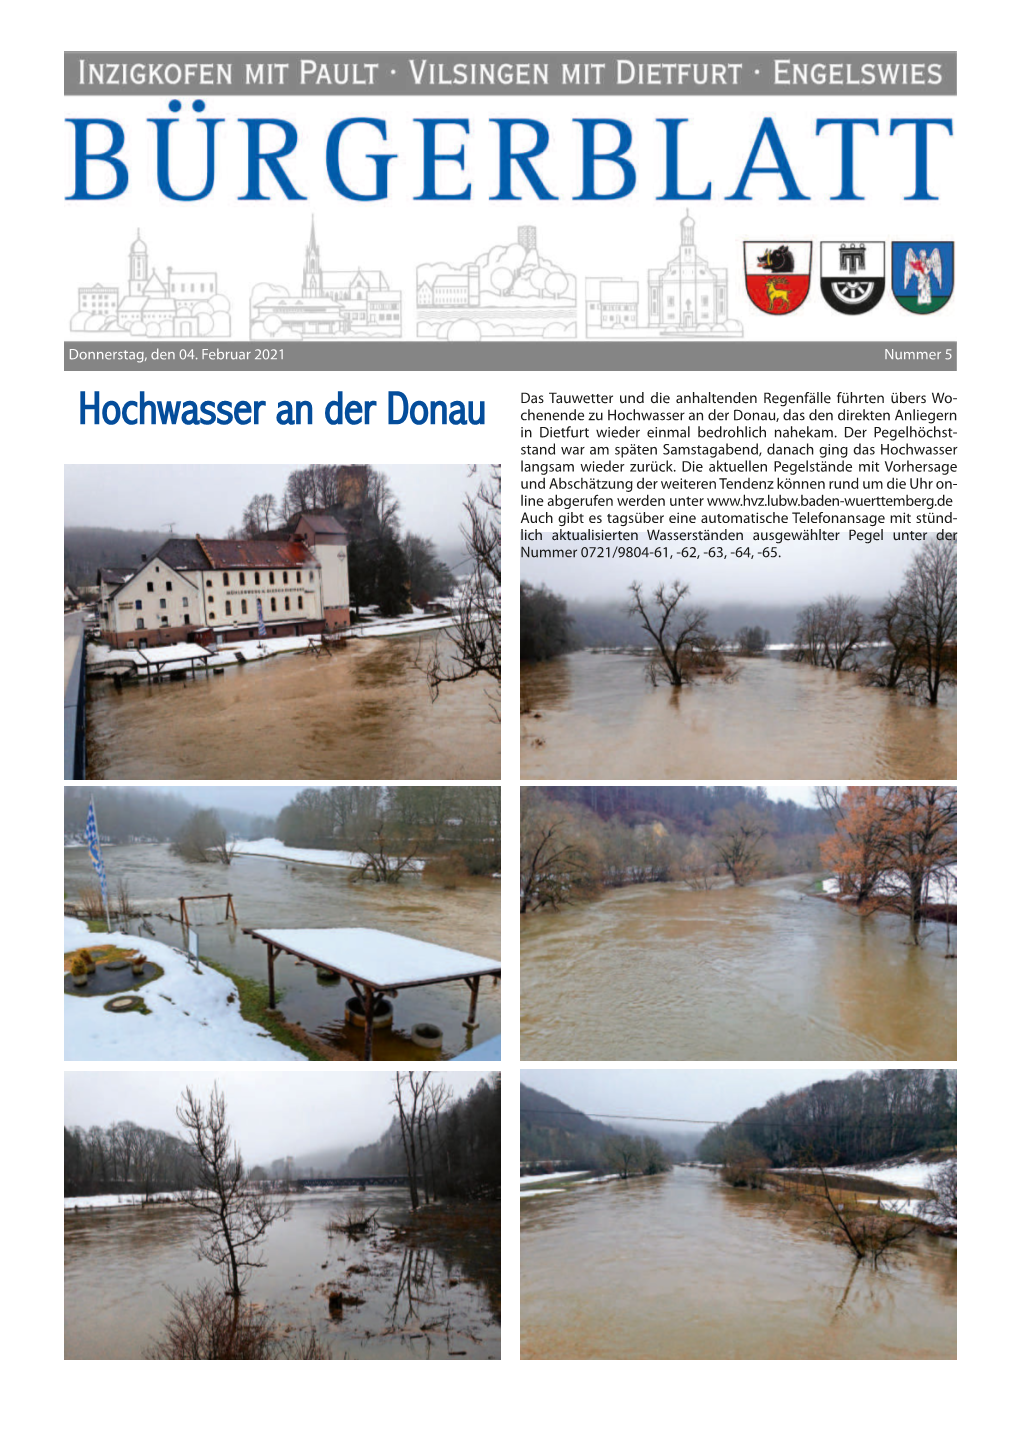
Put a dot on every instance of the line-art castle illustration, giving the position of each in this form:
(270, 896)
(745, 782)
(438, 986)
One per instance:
(688, 299)
(510, 290)
(356, 304)
(185, 306)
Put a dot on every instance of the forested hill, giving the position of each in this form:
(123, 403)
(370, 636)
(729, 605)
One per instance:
(87, 548)
(552, 1131)
(863, 1118)
(689, 808)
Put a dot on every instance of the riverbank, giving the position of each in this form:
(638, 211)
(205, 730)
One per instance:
(102, 659)
(190, 1013)
(896, 1190)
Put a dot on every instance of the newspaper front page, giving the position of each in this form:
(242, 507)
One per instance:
(686, 329)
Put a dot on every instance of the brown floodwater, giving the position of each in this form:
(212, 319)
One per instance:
(280, 894)
(437, 1301)
(596, 716)
(682, 1266)
(363, 714)
(755, 973)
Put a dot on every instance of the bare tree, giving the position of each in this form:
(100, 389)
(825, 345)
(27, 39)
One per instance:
(942, 1209)
(739, 842)
(869, 1234)
(624, 1154)
(258, 515)
(410, 1096)
(680, 635)
(556, 865)
(238, 1214)
(892, 635)
(929, 600)
(695, 867)
(377, 864)
(207, 1326)
(477, 633)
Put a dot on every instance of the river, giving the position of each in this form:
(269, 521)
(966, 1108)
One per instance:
(682, 1266)
(120, 1262)
(595, 716)
(363, 714)
(755, 973)
(279, 894)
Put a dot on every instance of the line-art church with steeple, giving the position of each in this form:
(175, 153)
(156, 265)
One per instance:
(185, 306)
(355, 303)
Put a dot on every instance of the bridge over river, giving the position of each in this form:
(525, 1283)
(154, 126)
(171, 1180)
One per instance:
(348, 1182)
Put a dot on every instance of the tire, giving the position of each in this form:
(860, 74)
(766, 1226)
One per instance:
(427, 1036)
(382, 1013)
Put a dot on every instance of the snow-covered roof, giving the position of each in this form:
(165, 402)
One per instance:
(378, 959)
(180, 651)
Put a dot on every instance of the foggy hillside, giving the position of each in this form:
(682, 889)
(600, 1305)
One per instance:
(603, 623)
(89, 548)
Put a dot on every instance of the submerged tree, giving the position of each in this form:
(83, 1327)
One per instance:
(238, 1214)
(929, 598)
(741, 842)
(681, 637)
(209, 1326)
(203, 837)
(891, 843)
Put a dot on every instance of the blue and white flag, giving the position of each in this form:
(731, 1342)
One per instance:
(92, 841)
(262, 624)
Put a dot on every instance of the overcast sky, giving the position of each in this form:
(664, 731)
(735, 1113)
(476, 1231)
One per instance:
(256, 800)
(684, 1095)
(803, 571)
(272, 1111)
(206, 500)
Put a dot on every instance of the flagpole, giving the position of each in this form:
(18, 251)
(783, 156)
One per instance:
(105, 888)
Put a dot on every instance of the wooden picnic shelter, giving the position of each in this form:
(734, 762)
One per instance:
(376, 963)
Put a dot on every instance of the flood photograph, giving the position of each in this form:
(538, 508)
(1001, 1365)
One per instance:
(267, 1217)
(824, 660)
(772, 1214)
(734, 923)
(320, 622)
(275, 923)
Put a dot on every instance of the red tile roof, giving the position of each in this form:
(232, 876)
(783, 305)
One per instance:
(235, 555)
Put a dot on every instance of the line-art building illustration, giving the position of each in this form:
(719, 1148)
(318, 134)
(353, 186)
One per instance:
(686, 299)
(353, 304)
(510, 291)
(185, 306)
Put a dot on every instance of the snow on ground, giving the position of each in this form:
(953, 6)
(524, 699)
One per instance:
(178, 657)
(398, 627)
(309, 856)
(191, 1018)
(547, 1191)
(551, 1177)
(125, 1199)
(900, 1174)
(938, 892)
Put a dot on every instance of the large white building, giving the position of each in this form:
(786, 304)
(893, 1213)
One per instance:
(688, 292)
(205, 591)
